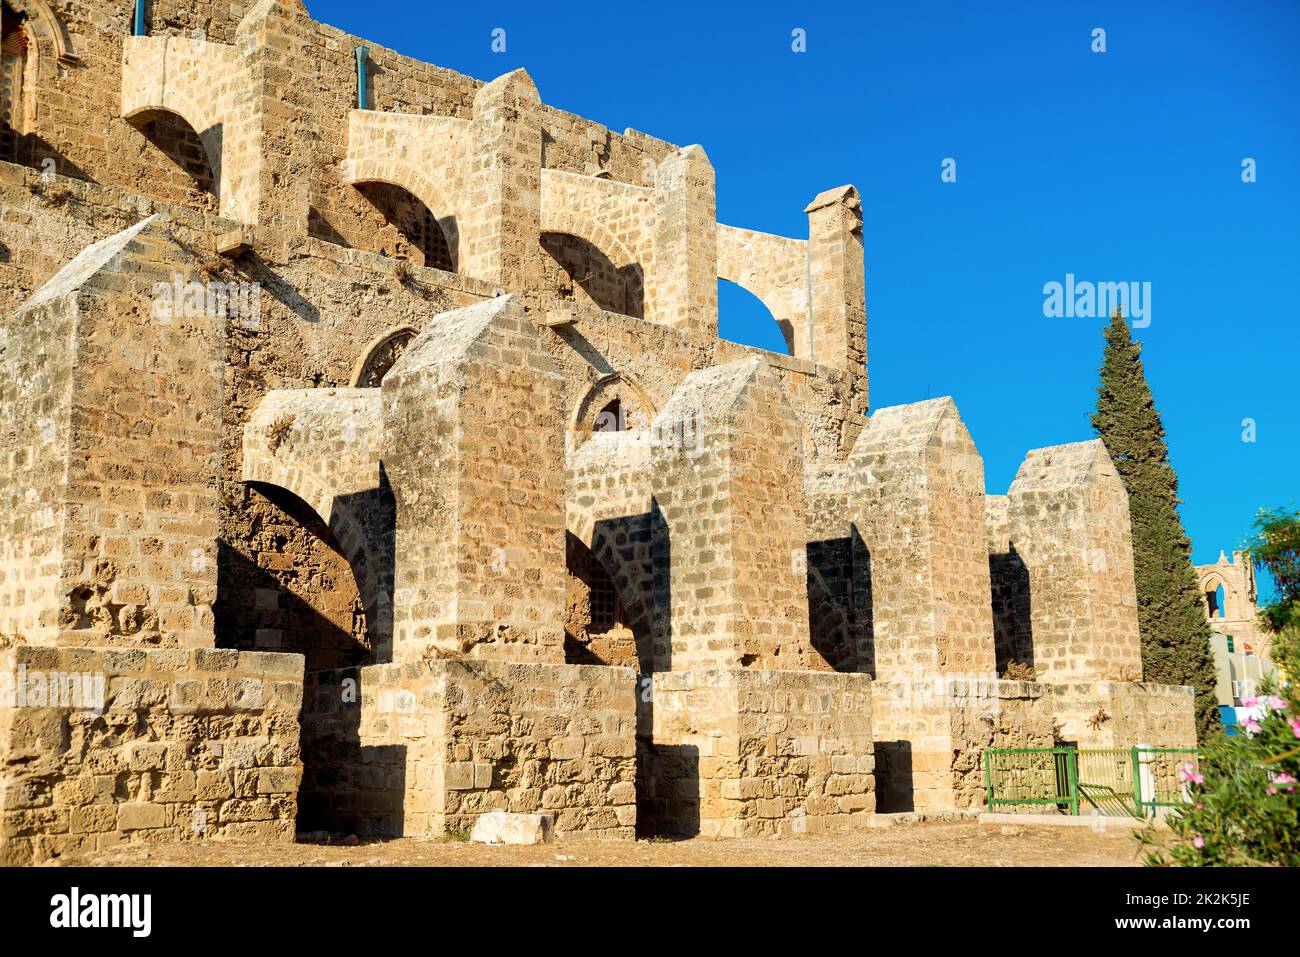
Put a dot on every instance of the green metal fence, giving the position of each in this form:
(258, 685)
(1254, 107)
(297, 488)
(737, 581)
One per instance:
(1116, 782)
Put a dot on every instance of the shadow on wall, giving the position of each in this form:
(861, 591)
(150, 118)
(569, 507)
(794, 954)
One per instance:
(577, 264)
(347, 788)
(373, 515)
(190, 152)
(33, 151)
(667, 789)
(1013, 633)
(894, 784)
(416, 234)
(839, 603)
(257, 271)
(292, 591)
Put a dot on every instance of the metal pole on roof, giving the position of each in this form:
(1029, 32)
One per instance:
(362, 54)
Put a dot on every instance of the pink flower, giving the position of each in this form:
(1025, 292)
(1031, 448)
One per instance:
(1251, 726)
(1295, 727)
(1249, 702)
(1276, 703)
(1200, 806)
(1270, 790)
(1284, 778)
(1198, 841)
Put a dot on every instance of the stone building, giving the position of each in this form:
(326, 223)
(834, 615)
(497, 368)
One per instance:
(1239, 645)
(1232, 602)
(380, 464)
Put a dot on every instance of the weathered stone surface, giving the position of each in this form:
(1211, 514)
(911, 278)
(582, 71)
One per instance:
(1069, 523)
(501, 827)
(114, 750)
(447, 421)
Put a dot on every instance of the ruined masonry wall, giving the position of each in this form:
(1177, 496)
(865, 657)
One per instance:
(746, 752)
(427, 747)
(189, 746)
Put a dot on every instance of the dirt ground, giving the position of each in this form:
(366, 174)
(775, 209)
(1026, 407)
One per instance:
(938, 844)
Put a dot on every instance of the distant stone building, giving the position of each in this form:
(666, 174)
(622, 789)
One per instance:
(1240, 646)
(382, 463)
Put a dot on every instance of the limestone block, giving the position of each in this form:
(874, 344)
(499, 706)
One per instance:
(726, 480)
(916, 497)
(1069, 523)
(501, 827)
(194, 772)
(473, 449)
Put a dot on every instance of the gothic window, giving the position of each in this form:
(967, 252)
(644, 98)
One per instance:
(382, 358)
(13, 67)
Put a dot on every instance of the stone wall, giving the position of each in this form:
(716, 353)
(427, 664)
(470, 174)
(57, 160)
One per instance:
(1069, 523)
(145, 745)
(744, 752)
(1121, 714)
(931, 732)
(110, 511)
(745, 533)
(421, 749)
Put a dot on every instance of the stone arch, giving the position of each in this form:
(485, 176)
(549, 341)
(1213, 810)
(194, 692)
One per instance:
(574, 222)
(577, 263)
(1210, 585)
(356, 526)
(47, 27)
(176, 111)
(757, 293)
(379, 355)
(19, 75)
(638, 410)
(361, 172)
(620, 548)
(196, 155)
(416, 233)
(596, 626)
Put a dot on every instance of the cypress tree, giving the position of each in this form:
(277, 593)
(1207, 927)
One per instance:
(1171, 615)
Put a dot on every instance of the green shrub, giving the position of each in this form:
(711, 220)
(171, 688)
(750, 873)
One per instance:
(1245, 804)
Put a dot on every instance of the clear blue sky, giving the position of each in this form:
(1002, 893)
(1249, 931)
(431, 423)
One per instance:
(1115, 166)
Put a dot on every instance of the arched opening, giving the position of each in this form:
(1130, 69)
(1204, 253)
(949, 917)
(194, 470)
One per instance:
(380, 356)
(284, 584)
(614, 403)
(411, 231)
(579, 270)
(1214, 599)
(17, 81)
(193, 177)
(611, 418)
(743, 318)
(596, 629)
